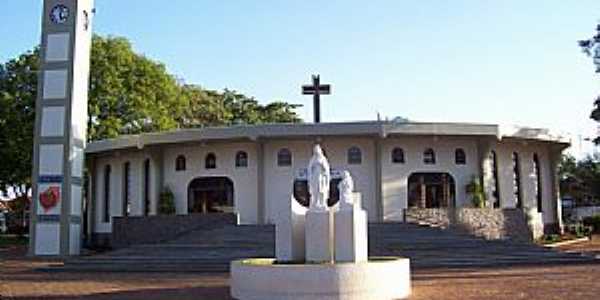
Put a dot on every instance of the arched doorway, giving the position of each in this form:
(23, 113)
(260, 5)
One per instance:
(431, 190)
(302, 195)
(210, 195)
(300, 187)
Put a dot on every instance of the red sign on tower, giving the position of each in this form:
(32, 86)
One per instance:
(50, 197)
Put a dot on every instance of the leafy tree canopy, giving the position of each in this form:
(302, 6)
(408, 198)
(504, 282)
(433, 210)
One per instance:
(581, 179)
(591, 47)
(18, 89)
(128, 93)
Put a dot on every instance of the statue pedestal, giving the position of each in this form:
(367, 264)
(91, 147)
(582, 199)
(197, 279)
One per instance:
(319, 236)
(289, 233)
(351, 241)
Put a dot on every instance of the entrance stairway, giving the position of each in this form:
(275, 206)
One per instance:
(197, 251)
(211, 250)
(434, 247)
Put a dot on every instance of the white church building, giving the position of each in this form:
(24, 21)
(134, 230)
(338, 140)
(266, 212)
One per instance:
(254, 170)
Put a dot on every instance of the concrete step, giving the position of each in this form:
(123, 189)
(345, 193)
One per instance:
(212, 250)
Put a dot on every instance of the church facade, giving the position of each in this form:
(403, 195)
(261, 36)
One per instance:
(254, 171)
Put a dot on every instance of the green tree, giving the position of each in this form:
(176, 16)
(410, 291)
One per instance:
(279, 112)
(591, 47)
(18, 89)
(128, 94)
(567, 166)
(596, 117)
(212, 108)
(581, 179)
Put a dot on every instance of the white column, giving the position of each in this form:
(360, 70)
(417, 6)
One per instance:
(485, 170)
(555, 156)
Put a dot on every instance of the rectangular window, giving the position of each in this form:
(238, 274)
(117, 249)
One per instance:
(496, 184)
(146, 187)
(538, 183)
(517, 180)
(106, 215)
(126, 184)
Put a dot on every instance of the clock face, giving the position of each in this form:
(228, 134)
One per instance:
(59, 14)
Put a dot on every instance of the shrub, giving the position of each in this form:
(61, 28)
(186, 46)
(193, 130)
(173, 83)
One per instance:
(593, 222)
(475, 189)
(16, 224)
(583, 230)
(167, 202)
(550, 238)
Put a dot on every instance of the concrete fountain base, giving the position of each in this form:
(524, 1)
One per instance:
(263, 279)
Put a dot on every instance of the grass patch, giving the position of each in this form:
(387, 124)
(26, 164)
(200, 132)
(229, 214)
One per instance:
(548, 239)
(7, 241)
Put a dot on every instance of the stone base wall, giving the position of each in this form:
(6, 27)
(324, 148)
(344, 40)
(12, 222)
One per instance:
(439, 217)
(488, 223)
(128, 231)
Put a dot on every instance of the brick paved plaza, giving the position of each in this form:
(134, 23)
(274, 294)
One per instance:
(20, 278)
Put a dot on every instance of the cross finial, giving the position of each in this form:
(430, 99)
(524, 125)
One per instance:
(316, 89)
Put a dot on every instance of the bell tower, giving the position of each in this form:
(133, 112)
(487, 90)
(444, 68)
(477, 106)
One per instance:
(60, 128)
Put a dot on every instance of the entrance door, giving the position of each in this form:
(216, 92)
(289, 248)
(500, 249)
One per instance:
(431, 190)
(210, 195)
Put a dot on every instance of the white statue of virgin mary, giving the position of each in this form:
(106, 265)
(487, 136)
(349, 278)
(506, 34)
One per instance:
(318, 180)
(346, 187)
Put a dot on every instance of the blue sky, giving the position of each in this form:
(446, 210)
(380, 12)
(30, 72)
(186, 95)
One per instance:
(513, 62)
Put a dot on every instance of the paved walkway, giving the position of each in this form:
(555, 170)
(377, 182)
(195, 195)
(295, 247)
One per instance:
(19, 279)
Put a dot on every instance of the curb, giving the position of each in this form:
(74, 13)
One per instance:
(569, 242)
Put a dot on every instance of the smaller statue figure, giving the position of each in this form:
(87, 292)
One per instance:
(346, 187)
(318, 180)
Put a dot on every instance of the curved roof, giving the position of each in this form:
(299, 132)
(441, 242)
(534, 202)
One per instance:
(274, 131)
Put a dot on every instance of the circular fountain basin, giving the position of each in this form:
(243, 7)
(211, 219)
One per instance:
(264, 278)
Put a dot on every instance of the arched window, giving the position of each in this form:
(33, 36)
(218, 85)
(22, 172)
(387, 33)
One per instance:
(210, 162)
(398, 156)
(126, 189)
(354, 156)
(538, 184)
(180, 163)
(429, 156)
(106, 212)
(284, 157)
(496, 183)
(460, 158)
(517, 180)
(241, 159)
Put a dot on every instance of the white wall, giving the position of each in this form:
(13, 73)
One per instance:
(244, 179)
(116, 161)
(395, 176)
(278, 180)
(363, 174)
(526, 150)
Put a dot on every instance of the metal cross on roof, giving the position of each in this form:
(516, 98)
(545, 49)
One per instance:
(316, 89)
